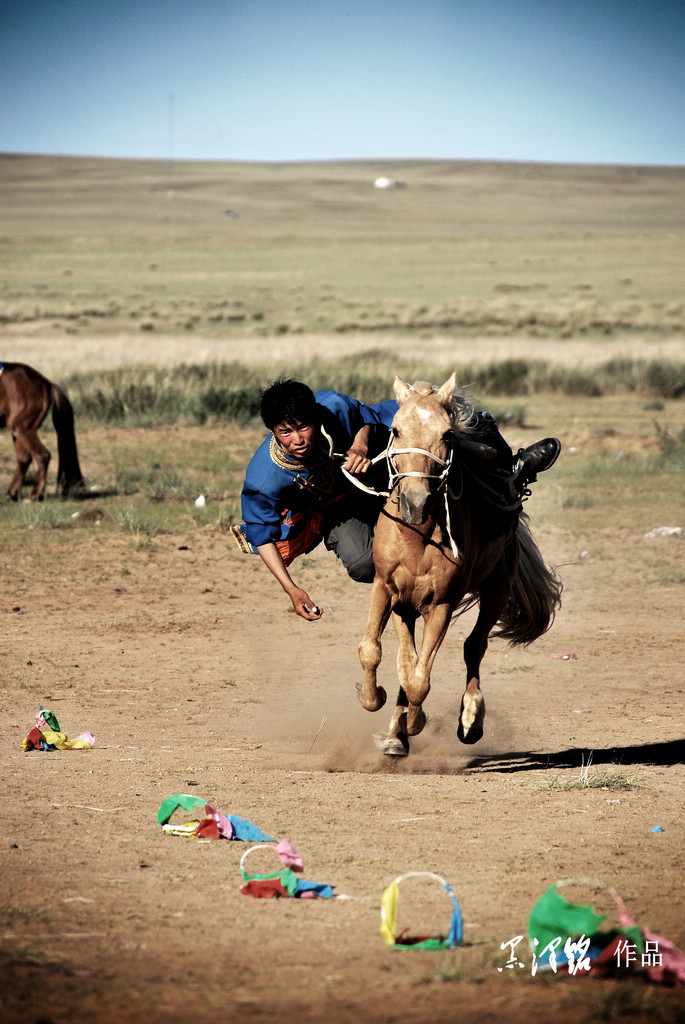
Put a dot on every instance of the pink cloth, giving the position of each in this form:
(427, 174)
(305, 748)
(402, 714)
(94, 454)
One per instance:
(290, 858)
(671, 970)
(223, 824)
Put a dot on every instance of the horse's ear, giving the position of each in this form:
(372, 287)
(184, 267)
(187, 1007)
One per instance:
(448, 389)
(402, 390)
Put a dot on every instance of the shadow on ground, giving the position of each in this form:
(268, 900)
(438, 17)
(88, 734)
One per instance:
(670, 753)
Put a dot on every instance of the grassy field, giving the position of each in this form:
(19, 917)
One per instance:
(144, 480)
(547, 286)
(251, 251)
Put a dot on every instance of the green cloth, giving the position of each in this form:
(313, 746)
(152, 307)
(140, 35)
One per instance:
(188, 803)
(554, 917)
(424, 944)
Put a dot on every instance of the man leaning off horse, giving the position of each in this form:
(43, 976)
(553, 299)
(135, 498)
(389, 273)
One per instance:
(295, 495)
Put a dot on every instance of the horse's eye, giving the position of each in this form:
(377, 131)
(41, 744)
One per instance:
(394, 431)
(448, 436)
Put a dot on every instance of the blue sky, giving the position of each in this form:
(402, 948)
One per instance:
(590, 81)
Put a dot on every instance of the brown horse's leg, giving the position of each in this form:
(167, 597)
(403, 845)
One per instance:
(371, 696)
(396, 742)
(27, 444)
(493, 601)
(23, 458)
(18, 476)
(435, 626)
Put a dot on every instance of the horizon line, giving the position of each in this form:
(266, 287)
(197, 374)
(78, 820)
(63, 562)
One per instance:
(341, 160)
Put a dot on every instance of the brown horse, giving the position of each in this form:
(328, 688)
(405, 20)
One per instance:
(25, 398)
(441, 546)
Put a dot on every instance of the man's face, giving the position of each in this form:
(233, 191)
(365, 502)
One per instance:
(297, 439)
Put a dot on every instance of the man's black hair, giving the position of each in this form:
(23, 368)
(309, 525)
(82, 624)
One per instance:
(288, 401)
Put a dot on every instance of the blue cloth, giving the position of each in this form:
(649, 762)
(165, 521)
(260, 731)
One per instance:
(279, 490)
(246, 831)
(323, 891)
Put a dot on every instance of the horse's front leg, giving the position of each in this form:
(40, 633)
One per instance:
(396, 743)
(472, 711)
(435, 624)
(27, 444)
(23, 461)
(371, 696)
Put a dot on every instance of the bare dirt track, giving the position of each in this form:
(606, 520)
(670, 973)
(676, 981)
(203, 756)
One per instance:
(185, 662)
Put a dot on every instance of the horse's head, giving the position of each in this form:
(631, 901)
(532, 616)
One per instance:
(421, 445)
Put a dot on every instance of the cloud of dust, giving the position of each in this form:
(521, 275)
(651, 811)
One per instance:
(329, 730)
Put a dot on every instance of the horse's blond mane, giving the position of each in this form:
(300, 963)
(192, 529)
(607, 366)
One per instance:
(463, 414)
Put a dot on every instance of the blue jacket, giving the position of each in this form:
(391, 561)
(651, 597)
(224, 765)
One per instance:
(279, 490)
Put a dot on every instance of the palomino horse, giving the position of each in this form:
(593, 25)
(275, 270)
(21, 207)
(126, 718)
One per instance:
(441, 546)
(25, 397)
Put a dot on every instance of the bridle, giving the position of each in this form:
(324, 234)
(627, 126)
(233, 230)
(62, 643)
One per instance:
(394, 477)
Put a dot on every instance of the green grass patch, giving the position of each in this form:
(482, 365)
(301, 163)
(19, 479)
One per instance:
(590, 778)
(230, 392)
(613, 781)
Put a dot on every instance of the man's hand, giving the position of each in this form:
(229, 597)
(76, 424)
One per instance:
(304, 606)
(358, 460)
(302, 602)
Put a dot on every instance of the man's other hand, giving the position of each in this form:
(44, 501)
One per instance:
(304, 606)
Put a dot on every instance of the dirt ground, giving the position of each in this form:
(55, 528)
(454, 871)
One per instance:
(184, 661)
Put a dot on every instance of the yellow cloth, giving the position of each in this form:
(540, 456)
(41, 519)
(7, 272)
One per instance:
(389, 902)
(60, 740)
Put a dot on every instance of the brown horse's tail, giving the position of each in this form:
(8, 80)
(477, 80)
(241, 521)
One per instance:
(69, 477)
(535, 593)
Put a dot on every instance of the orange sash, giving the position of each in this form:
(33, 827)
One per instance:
(305, 541)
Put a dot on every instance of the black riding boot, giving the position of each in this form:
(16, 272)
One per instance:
(533, 460)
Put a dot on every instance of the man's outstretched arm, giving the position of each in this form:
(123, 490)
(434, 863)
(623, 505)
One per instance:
(302, 603)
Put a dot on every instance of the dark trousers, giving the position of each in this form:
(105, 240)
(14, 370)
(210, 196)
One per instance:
(348, 533)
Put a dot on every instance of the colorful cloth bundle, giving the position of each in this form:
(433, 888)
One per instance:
(555, 921)
(213, 825)
(284, 882)
(47, 736)
(389, 905)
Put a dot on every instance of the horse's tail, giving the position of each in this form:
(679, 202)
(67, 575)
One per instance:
(69, 477)
(535, 593)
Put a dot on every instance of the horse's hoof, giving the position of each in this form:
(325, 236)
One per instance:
(396, 746)
(377, 703)
(471, 718)
(472, 736)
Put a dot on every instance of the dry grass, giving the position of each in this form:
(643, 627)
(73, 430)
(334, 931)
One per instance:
(480, 250)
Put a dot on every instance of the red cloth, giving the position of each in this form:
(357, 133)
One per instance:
(34, 739)
(263, 888)
(208, 829)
